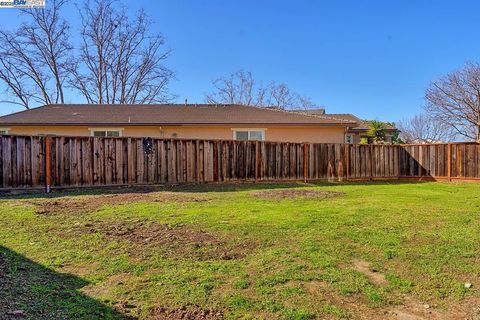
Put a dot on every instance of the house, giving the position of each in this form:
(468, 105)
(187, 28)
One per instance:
(203, 121)
(355, 134)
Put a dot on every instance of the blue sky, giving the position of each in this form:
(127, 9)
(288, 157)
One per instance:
(370, 58)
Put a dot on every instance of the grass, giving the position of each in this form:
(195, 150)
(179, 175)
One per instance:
(243, 255)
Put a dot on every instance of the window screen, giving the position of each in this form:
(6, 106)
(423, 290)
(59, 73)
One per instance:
(241, 135)
(99, 133)
(113, 134)
(255, 135)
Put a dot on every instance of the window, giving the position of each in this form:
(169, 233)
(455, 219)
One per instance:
(248, 134)
(241, 135)
(349, 138)
(99, 134)
(3, 131)
(255, 135)
(113, 133)
(106, 132)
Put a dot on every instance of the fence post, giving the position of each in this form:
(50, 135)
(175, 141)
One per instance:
(48, 164)
(449, 162)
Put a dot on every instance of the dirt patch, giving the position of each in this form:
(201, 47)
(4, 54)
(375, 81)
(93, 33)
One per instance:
(128, 308)
(76, 205)
(355, 305)
(412, 308)
(81, 270)
(373, 275)
(106, 287)
(180, 241)
(296, 194)
(186, 313)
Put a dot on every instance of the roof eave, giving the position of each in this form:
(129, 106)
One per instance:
(174, 124)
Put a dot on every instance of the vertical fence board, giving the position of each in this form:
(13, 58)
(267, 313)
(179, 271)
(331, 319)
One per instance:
(87, 161)
(37, 162)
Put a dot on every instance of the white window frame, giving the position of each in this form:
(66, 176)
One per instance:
(261, 130)
(6, 131)
(92, 130)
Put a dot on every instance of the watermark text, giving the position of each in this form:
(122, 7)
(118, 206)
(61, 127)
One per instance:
(22, 4)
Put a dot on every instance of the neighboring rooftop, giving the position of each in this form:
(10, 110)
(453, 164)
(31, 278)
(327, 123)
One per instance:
(319, 111)
(165, 114)
(362, 124)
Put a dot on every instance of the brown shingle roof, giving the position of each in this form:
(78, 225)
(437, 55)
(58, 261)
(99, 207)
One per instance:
(171, 114)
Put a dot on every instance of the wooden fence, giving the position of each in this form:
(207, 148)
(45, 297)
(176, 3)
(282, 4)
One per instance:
(35, 161)
(447, 162)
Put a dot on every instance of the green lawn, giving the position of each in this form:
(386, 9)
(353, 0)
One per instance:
(242, 251)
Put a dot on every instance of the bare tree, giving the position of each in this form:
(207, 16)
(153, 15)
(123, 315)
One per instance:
(454, 101)
(306, 103)
(422, 128)
(280, 96)
(34, 59)
(241, 88)
(238, 88)
(120, 60)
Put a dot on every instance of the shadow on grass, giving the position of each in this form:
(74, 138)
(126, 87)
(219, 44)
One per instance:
(31, 291)
(185, 188)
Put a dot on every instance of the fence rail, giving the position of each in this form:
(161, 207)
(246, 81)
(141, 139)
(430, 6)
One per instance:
(36, 161)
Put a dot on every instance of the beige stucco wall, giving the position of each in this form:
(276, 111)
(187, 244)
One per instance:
(274, 133)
